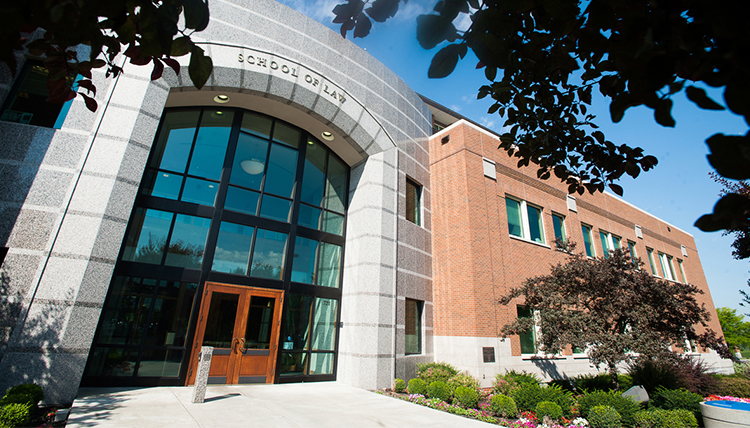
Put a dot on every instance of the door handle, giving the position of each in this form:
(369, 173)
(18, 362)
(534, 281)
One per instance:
(235, 341)
(241, 341)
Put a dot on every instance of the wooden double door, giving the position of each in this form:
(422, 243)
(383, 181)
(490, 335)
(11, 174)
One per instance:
(242, 324)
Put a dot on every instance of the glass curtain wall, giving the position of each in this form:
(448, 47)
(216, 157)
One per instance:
(228, 196)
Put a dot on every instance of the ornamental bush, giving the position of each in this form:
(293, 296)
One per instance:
(466, 397)
(399, 385)
(33, 391)
(604, 417)
(734, 386)
(591, 382)
(528, 395)
(14, 415)
(463, 379)
(548, 408)
(670, 399)
(504, 406)
(417, 386)
(625, 406)
(430, 372)
(439, 390)
(660, 418)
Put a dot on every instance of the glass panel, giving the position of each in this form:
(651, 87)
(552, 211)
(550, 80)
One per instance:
(112, 362)
(293, 364)
(616, 242)
(160, 363)
(188, 241)
(633, 255)
(199, 191)
(332, 223)
(536, 231)
(412, 202)
(220, 321)
(329, 265)
(249, 162)
(257, 125)
(297, 322)
(172, 147)
(308, 216)
(268, 256)
(587, 244)
(29, 104)
(283, 133)
(605, 247)
(282, 171)
(211, 144)
(513, 208)
(171, 314)
(559, 226)
(259, 323)
(321, 363)
(303, 266)
(313, 180)
(275, 208)
(162, 184)
(413, 327)
(324, 325)
(528, 340)
(148, 236)
(244, 201)
(233, 248)
(335, 186)
(126, 314)
(651, 260)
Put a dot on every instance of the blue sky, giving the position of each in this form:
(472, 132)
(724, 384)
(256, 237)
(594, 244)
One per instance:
(678, 190)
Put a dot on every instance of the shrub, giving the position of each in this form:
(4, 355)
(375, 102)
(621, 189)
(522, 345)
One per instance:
(13, 415)
(653, 374)
(439, 390)
(548, 408)
(434, 371)
(625, 406)
(528, 395)
(565, 384)
(399, 385)
(466, 397)
(591, 382)
(463, 379)
(670, 399)
(661, 418)
(673, 371)
(522, 377)
(734, 386)
(695, 375)
(32, 390)
(417, 386)
(604, 417)
(625, 381)
(742, 369)
(504, 406)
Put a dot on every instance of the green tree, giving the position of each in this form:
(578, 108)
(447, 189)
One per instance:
(612, 308)
(543, 58)
(144, 31)
(736, 331)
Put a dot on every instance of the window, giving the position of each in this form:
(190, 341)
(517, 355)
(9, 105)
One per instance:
(667, 267)
(413, 327)
(633, 254)
(528, 338)
(558, 224)
(651, 261)
(27, 101)
(413, 202)
(682, 271)
(610, 242)
(588, 243)
(524, 220)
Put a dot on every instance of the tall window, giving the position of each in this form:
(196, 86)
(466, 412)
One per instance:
(558, 224)
(667, 267)
(27, 101)
(651, 261)
(413, 202)
(606, 248)
(588, 243)
(524, 220)
(528, 338)
(633, 255)
(682, 271)
(413, 327)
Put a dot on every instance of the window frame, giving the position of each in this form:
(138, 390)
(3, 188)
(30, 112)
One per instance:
(587, 231)
(418, 327)
(416, 213)
(533, 331)
(667, 266)
(682, 271)
(651, 261)
(633, 252)
(523, 208)
(563, 239)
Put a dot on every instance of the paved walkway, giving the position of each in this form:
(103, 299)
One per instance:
(317, 404)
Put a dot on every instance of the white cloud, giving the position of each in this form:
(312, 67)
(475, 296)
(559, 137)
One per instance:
(455, 107)
(321, 10)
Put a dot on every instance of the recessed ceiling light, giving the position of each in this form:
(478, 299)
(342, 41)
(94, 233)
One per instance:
(221, 99)
(327, 136)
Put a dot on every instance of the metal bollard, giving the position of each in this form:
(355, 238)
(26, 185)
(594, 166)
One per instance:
(201, 375)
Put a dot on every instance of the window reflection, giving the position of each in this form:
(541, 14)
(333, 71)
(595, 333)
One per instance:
(329, 265)
(172, 147)
(269, 254)
(233, 248)
(148, 236)
(282, 169)
(211, 144)
(303, 267)
(249, 162)
(188, 241)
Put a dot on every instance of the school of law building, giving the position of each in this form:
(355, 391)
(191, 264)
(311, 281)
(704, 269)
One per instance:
(306, 213)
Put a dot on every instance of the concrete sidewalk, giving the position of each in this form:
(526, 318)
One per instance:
(318, 405)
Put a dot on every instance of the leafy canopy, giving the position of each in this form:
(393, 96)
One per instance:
(145, 31)
(543, 58)
(736, 331)
(611, 308)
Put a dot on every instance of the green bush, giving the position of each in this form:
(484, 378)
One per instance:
(13, 415)
(734, 386)
(604, 417)
(670, 399)
(528, 395)
(625, 406)
(504, 406)
(661, 418)
(439, 390)
(463, 379)
(565, 384)
(591, 382)
(548, 408)
(433, 371)
(32, 390)
(653, 374)
(417, 386)
(466, 397)
(522, 377)
(399, 385)
(626, 382)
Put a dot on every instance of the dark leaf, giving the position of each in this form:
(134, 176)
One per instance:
(200, 67)
(181, 46)
(363, 26)
(345, 27)
(730, 212)
(90, 102)
(381, 10)
(158, 69)
(88, 85)
(196, 14)
(490, 73)
(615, 188)
(663, 113)
(434, 29)
(730, 155)
(444, 62)
(173, 64)
(699, 97)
